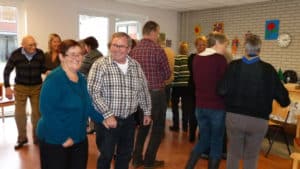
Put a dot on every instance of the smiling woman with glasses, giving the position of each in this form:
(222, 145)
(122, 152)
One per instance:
(65, 105)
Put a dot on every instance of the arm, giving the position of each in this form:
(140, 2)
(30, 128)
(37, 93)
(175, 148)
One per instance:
(144, 97)
(43, 62)
(49, 107)
(95, 81)
(10, 65)
(96, 116)
(281, 95)
(224, 87)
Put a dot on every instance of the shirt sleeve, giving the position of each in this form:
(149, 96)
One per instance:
(281, 95)
(43, 62)
(144, 95)
(10, 65)
(50, 94)
(94, 87)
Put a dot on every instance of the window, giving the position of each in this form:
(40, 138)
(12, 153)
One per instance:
(129, 27)
(97, 27)
(8, 36)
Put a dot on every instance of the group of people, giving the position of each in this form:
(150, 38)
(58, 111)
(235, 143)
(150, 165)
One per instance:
(128, 92)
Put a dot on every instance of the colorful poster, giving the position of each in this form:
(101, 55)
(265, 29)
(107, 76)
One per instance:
(272, 29)
(197, 30)
(218, 27)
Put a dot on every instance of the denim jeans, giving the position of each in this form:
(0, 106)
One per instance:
(120, 138)
(158, 111)
(212, 127)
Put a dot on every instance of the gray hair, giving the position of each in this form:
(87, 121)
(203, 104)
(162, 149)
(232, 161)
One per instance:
(252, 44)
(121, 35)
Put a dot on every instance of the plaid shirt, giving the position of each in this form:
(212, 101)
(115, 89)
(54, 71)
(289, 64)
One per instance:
(115, 93)
(153, 61)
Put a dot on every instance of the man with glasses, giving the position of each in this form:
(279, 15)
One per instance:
(156, 67)
(118, 85)
(29, 62)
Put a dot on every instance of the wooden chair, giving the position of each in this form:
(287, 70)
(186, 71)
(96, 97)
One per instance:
(296, 155)
(277, 123)
(4, 102)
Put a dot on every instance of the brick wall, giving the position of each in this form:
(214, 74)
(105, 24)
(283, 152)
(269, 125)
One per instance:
(240, 19)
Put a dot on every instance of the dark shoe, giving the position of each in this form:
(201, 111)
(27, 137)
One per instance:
(213, 163)
(184, 129)
(137, 164)
(91, 131)
(192, 161)
(224, 156)
(192, 138)
(204, 156)
(156, 164)
(173, 128)
(20, 144)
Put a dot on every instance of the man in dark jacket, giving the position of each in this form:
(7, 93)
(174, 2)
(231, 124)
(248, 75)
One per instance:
(30, 64)
(249, 87)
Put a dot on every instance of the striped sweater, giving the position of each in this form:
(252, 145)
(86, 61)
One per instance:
(181, 71)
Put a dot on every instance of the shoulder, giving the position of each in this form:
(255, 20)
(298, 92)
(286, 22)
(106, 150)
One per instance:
(101, 63)
(40, 51)
(220, 58)
(17, 52)
(267, 66)
(55, 74)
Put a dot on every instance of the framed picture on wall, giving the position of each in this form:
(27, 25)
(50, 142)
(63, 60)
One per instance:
(218, 27)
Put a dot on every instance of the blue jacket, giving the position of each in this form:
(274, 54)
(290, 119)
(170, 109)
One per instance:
(65, 107)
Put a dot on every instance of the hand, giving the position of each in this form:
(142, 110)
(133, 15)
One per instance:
(111, 122)
(48, 72)
(105, 124)
(147, 120)
(68, 143)
(9, 93)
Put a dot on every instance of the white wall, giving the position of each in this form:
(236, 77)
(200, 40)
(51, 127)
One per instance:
(61, 16)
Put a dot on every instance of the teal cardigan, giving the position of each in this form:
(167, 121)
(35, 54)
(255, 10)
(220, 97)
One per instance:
(65, 107)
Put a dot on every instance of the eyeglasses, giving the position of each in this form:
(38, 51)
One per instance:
(73, 55)
(119, 46)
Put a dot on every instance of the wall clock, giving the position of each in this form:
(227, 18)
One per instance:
(284, 40)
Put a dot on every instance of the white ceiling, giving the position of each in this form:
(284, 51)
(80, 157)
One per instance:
(186, 5)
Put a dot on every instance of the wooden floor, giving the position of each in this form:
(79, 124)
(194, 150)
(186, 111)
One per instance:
(174, 149)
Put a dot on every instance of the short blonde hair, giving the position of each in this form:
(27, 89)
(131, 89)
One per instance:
(200, 38)
(215, 37)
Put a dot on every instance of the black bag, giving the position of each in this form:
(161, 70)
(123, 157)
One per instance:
(290, 76)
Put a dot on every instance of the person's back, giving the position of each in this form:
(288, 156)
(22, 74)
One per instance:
(153, 61)
(255, 86)
(208, 68)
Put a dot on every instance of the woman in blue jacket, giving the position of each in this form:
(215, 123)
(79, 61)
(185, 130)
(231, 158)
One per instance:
(65, 105)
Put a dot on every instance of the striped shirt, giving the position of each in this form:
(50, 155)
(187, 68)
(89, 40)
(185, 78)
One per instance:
(181, 71)
(115, 93)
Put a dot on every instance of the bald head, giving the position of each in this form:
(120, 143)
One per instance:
(29, 44)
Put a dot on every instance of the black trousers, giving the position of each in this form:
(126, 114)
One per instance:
(188, 108)
(57, 157)
(159, 106)
(120, 139)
